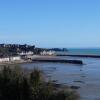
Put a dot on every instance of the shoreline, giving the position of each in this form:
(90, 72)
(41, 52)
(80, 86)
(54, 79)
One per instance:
(52, 59)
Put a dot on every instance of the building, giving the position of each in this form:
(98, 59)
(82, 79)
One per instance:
(5, 59)
(48, 53)
(26, 53)
(15, 58)
(11, 58)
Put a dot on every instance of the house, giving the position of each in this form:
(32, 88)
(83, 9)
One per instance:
(48, 53)
(26, 53)
(15, 58)
(5, 59)
(11, 58)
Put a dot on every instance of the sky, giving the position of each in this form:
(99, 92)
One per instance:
(51, 23)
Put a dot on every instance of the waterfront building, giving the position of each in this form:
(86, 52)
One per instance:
(48, 53)
(11, 58)
(15, 58)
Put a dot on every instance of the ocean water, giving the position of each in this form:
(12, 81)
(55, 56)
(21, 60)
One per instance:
(89, 51)
(86, 76)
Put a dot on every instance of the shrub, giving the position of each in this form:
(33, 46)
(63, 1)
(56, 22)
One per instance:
(16, 85)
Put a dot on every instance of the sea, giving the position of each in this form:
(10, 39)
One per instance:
(86, 76)
(86, 51)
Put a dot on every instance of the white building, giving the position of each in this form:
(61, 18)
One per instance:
(8, 59)
(5, 59)
(15, 58)
(48, 53)
(26, 53)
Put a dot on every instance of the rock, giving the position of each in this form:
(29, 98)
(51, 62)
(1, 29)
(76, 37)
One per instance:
(74, 87)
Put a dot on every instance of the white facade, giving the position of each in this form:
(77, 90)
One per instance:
(26, 53)
(4, 59)
(7, 59)
(48, 53)
(16, 58)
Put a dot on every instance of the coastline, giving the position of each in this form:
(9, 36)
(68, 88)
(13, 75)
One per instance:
(38, 58)
(79, 80)
(52, 58)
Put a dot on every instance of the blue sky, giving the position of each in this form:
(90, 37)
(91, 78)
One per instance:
(50, 23)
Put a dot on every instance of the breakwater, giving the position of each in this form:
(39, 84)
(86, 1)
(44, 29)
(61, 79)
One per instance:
(59, 61)
(91, 56)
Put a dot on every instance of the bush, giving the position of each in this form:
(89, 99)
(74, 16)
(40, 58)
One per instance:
(17, 85)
